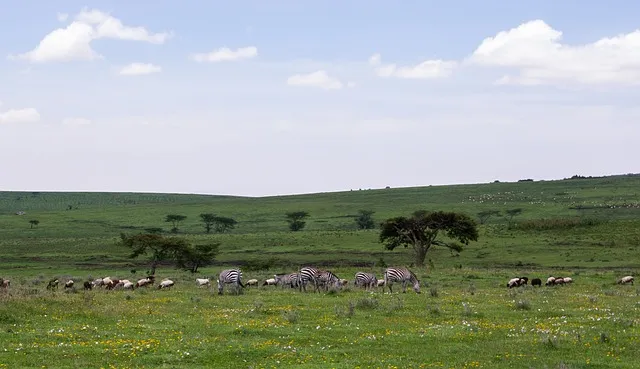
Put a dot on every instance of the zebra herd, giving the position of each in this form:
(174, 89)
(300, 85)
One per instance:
(323, 279)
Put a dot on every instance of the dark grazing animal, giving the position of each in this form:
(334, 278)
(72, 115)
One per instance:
(536, 282)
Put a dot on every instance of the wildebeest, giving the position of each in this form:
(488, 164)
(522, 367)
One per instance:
(53, 284)
(625, 280)
(536, 282)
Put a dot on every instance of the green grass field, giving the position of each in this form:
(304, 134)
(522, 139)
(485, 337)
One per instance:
(588, 229)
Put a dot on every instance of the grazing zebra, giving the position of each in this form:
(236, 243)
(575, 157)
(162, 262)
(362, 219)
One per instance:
(402, 275)
(325, 278)
(366, 280)
(290, 280)
(229, 276)
(306, 275)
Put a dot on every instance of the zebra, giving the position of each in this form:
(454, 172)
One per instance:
(402, 275)
(290, 280)
(324, 278)
(305, 275)
(366, 280)
(229, 276)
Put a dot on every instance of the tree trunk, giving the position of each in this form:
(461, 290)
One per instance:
(420, 254)
(154, 264)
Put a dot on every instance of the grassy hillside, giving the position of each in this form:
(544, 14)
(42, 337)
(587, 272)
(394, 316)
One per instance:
(594, 224)
(465, 317)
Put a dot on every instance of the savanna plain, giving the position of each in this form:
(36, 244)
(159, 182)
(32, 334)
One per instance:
(587, 229)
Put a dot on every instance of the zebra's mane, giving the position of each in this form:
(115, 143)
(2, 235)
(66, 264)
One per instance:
(413, 278)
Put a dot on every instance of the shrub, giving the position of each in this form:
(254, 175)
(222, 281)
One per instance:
(523, 305)
(395, 305)
(433, 291)
(434, 310)
(291, 316)
(367, 303)
(347, 312)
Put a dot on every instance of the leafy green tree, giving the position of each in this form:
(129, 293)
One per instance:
(208, 219)
(193, 257)
(296, 220)
(364, 219)
(157, 247)
(510, 214)
(484, 215)
(175, 220)
(420, 231)
(34, 222)
(223, 224)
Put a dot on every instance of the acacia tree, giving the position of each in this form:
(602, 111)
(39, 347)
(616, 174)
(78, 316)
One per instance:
(34, 222)
(421, 231)
(208, 219)
(296, 220)
(484, 215)
(157, 247)
(364, 219)
(175, 220)
(223, 224)
(193, 257)
(512, 213)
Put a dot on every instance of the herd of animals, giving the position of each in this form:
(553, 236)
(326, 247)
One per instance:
(554, 281)
(305, 276)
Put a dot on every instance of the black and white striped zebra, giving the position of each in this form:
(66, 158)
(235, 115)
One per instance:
(401, 275)
(290, 280)
(230, 276)
(325, 278)
(366, 280)
(306, 275)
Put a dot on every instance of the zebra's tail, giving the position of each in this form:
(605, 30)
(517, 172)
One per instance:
(240, 283)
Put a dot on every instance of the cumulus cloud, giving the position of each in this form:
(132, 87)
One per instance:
(533, 54)
(435, 68)
(76, 121)
(320, 79)
(27, 115)
(136, 69)
(534, 49)
(226, 54)
(74, 41)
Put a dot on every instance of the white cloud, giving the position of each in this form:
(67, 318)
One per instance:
(318, 79)
(535, 51)
(436, 68)
(74, 41)
(28, 115)
(136, 69)
(76, 121)
(62, 17)
(226, 54)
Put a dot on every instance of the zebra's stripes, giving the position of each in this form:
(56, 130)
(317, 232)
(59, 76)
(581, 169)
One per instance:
(229, 276)
(306, 275)
(326, 278)
(401, 275)
(290, 280)
(366, 280)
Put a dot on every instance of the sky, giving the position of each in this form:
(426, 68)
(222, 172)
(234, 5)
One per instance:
(259, 98)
